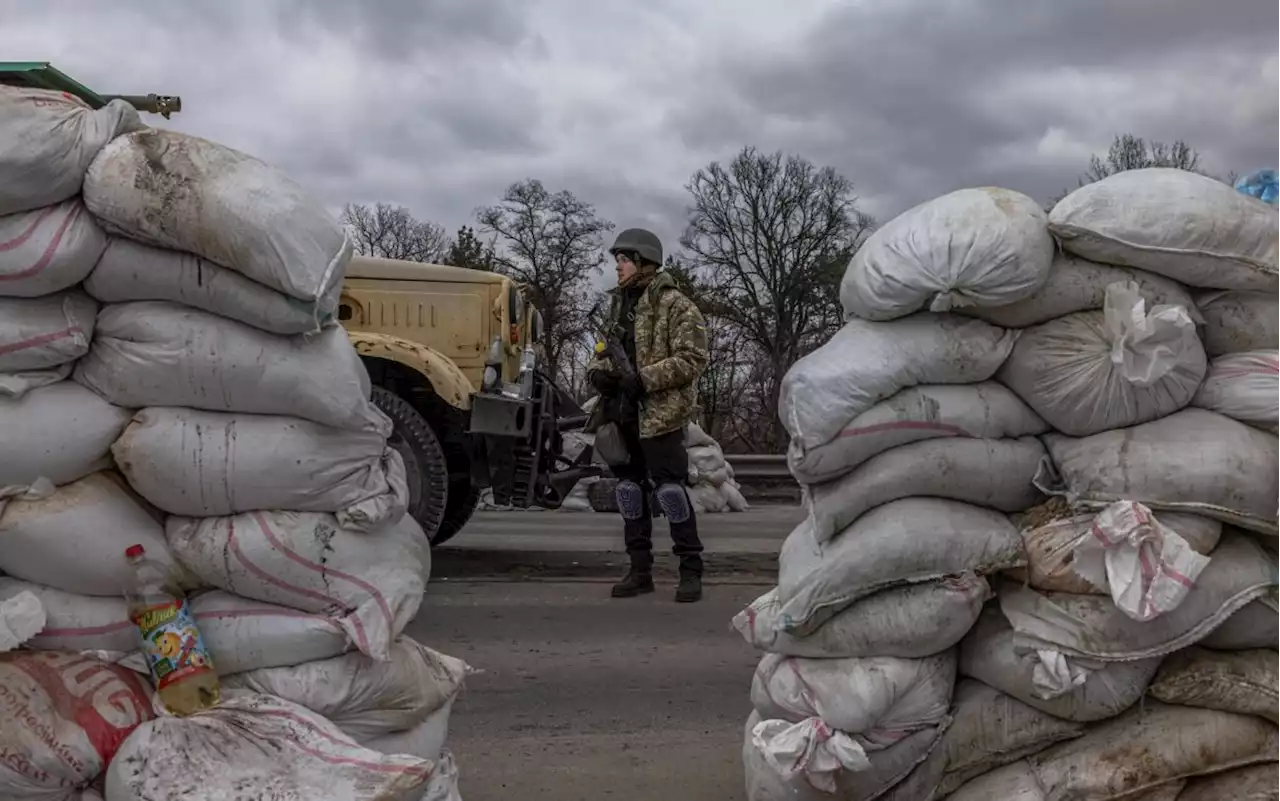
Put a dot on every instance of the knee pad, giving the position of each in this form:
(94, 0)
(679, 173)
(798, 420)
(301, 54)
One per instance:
(630, 497)
(674, 502)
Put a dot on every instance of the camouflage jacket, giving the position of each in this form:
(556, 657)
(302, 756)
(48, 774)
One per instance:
(671, 353)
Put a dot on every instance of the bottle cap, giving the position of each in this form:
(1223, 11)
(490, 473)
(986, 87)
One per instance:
(134, 550)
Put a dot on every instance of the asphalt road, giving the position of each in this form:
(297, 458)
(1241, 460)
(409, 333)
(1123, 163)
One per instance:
(587, 697)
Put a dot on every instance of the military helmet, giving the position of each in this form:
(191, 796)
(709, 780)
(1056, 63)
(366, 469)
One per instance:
(639, 241)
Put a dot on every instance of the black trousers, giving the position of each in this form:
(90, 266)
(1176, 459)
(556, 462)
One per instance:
(659, 464)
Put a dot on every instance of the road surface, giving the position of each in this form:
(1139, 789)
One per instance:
(584, 697)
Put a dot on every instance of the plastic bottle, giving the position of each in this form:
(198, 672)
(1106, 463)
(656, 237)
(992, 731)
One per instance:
(175, 652)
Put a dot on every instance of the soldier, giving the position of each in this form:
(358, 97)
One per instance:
(665, 338)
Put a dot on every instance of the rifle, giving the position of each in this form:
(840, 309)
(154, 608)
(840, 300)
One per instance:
(620, 408)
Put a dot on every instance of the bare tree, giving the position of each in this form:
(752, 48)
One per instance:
(768, 238)
(1129, 152)
(553, 244)
(391, 232)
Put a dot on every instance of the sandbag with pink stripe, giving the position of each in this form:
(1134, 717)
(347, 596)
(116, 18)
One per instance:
(372, 582)
(241, 634)
(48, 250)
(986, 410)
(47, 140)
(40, 333)
(1244, 387)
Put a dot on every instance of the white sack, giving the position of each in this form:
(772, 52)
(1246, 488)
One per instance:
(1192, 461)
(49, 140)
(130, 271)
(15, 385)
(425, 740)
(1239, 681)
(364, 697)
(1159, 744)
(48, 250)
(265, 746)
(1077, 285)
(867, 362)
(1254, 625)
(1147, 567)
(990, 654)
(1052, 535)
(252, 462)
(881, 698)
(1099, 370)
(22, 616)
(74, 537)
(988, 729)
(1245, 387)
(241, 634)
(62, 432)
(914, 621)
(178, 191)
(1188, 227)
(787, 762)
(64, 717)
(1254, 783)
(694, 436)
(707, 499)
(986, 410)
(972, 247)
(1148, 746)
(1091, 627)
(1239, 321)
(40, 333)
(984, 472)
(372, 581)
(903, 542)
(162, 354)
(733, 497)
(443, 784)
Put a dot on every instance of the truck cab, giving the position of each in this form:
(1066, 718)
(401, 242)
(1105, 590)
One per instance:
(426, 334)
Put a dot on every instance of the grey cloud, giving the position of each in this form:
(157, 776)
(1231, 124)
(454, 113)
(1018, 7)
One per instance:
(394, 29)
(438, 105)
(908, 92)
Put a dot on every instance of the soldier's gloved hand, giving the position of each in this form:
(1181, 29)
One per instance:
(631, 385)
(605, 383)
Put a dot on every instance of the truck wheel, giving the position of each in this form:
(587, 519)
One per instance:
(463, 499)
(426, 470)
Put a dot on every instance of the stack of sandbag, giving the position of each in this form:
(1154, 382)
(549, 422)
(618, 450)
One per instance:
(1158, 532)
(1152, 571)
(712, 487)
(217, 417)
(911, 458)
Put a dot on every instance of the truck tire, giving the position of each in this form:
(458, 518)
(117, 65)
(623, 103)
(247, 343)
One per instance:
(463, 500)
(426, 470)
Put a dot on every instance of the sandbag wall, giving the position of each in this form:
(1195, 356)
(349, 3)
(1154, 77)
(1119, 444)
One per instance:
(1040, 465)
(170, 375)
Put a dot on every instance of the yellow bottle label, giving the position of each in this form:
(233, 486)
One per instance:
(172, 643)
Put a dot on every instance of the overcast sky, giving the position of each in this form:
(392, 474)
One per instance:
(437, 105)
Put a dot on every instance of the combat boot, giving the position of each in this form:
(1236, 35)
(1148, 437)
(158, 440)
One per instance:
(689, 590)
(637, 582)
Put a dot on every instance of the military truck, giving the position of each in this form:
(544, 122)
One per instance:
(442, 345)
(453, 357)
